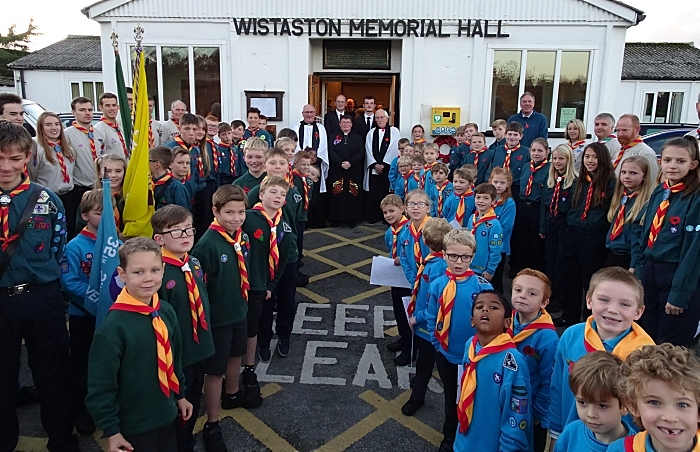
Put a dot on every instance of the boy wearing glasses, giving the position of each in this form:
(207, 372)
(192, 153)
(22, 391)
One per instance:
(166, 188)
(449, 314)
(184, 289)
(487, 232)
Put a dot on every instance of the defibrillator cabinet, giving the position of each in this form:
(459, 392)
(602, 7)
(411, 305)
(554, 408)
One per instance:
(444, 120)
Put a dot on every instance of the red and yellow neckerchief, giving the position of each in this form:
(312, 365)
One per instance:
(414, 293)
(394, 236)
(445, 304)
(577, 144)
(195, 298)
(461, 206)
(554, 203)
(6, 239)
(91, 137)
(660, 214)
(589, 197)
(274, 258)
(619, 222)
(625, 147)
(115, 127)
(533, 170)
(476, 156)
(509, 151)
(238, 243)
(295, 172)
(56, 147)
(488, 216)
(417, 233)
(166, 366)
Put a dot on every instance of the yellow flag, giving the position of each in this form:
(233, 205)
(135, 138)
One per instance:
(139, 206)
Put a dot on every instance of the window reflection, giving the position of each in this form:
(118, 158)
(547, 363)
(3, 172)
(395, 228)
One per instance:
(506, 83)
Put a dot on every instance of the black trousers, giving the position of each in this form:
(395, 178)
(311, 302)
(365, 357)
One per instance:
(657, 278)
(301, 227)
(539, 438)
(532, 246)
(38, 317)
(618, 260)
(70, 205)
(378, 189)
(448, 375)
(226, 179)
(194, 381)
(405, 333)
(424, 368)
(583, 253)
(497, 280)
(554, 231)
(159, 440)
(285, 293)
(82, 330)
(77, 193)
(203, 215)
(516, 245)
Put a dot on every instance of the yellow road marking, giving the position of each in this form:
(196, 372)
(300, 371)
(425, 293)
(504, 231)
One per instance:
(367, 294)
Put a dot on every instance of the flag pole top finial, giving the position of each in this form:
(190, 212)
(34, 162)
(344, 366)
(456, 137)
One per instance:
(115, 40)
(138, 34)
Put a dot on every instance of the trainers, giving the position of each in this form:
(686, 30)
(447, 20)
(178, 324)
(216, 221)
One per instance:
(264, 354)
(213, 440)
(411, 406)
(283, 348)
(231, 401)
(252, 389)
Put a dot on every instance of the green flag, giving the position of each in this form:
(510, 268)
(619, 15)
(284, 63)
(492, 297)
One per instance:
(123, 102)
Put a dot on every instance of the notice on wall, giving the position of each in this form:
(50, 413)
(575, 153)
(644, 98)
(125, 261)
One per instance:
(268, 106)
(566, 115)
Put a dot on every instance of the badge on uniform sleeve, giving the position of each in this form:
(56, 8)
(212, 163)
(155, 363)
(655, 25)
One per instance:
(64, 266)
(224, 257)
(297, 197)
(52, 208)
(509, 362)
(41, 209)
(287, 228)
(690, 228)
(518, 405)
(497, 378)
(43, 197)
(170, 284)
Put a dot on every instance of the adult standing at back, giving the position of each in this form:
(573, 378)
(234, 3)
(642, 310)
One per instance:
(632, 144)
(381, 148)
(332, 119)
(364, 123)
(696, 133)
(312, 135)
(86, 146)
(604, 125)
(108, 130)
(534, 124)
(171, 126)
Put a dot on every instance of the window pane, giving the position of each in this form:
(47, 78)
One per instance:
(89, 91)
(506, 81)
(207, 81)
(176, 79)
(99, 89)
(648, 106)
(151, 72)
(573, 81)
(676, 107)
(539, 80)
(662, 100)
(75, 90)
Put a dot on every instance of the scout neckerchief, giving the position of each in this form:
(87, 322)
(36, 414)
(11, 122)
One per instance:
(414, 293)
(427, 167)
(589, 196)
(574, 146)
(620, 218)
(417, 178)
(182, 143)
(445, 304)
(543, 322)
(461, 209)
(422, 140)
(509, 150)
(441, 198)
(56, 147)
(115, 210)
(315, 139)
(636, 338)
(5, 200)
(166, 367)
(215, 154)
(637, 443)
(175, 121)
(554, 203)
(196, 306)
(623, 148)
(164, 179)
(394, 236)
(476, 156)
(306, 187)
(417, 234)
(91, 137)
(192, 148)
(88, 234)
(406, 177)
(274, 258)
(660, 214)
(232, 157)
(237, 243)
(465, 405)
(115, 127)
(533, 170)
(488, 216)
(606, 139)
(151, 140)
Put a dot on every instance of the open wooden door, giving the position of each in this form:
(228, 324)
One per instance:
(315, 93)
(392, 102)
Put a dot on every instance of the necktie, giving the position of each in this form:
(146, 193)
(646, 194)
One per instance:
(488, 216)
(166, 367)
(636, 338)
(274, 258)
(394, 236)
(196, 306)
(238, 243)
(620, 217)
(61, 160)
(445, 304)
(414, 293)
(533, 170)
(119, 132)
(660, 214)
(543, 322)
(5, 200)
(623, 148)
(369, 122)
(554, 203)
(589, 196)
(91, 137)
(417, 234)
(465, 405)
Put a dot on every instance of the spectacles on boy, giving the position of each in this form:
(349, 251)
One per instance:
(179, 233)
(459, 257)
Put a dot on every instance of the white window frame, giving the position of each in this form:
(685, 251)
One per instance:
(80, 86)
(668, 109)
(557, 74)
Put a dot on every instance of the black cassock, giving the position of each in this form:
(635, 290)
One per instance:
(345, 185)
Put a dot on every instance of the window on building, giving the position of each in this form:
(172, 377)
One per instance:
(558, 79)
(663, 107)
(207, 80)
(150, 53)
(91, 90)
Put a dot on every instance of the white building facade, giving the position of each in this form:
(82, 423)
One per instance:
(412, 55)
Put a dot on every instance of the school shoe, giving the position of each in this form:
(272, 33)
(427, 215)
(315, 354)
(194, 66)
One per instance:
(302, 280)
(395, 346)
(213, 440)
(402, 360)
(252, 389)
(237, 400)
(283, 348)
(27, 395)
(84, 425)
(264, 354)
(410, 407)
(446, 445)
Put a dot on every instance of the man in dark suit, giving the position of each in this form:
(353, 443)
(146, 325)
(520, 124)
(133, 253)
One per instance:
(332, 119)
(365, 122)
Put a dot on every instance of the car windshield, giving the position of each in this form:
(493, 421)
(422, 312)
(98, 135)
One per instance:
(33, 109)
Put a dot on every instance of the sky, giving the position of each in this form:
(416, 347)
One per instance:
(667, 20)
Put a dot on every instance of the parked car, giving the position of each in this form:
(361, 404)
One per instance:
(68, 118)
(647, 128)
(32, 111)
(656, 140)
